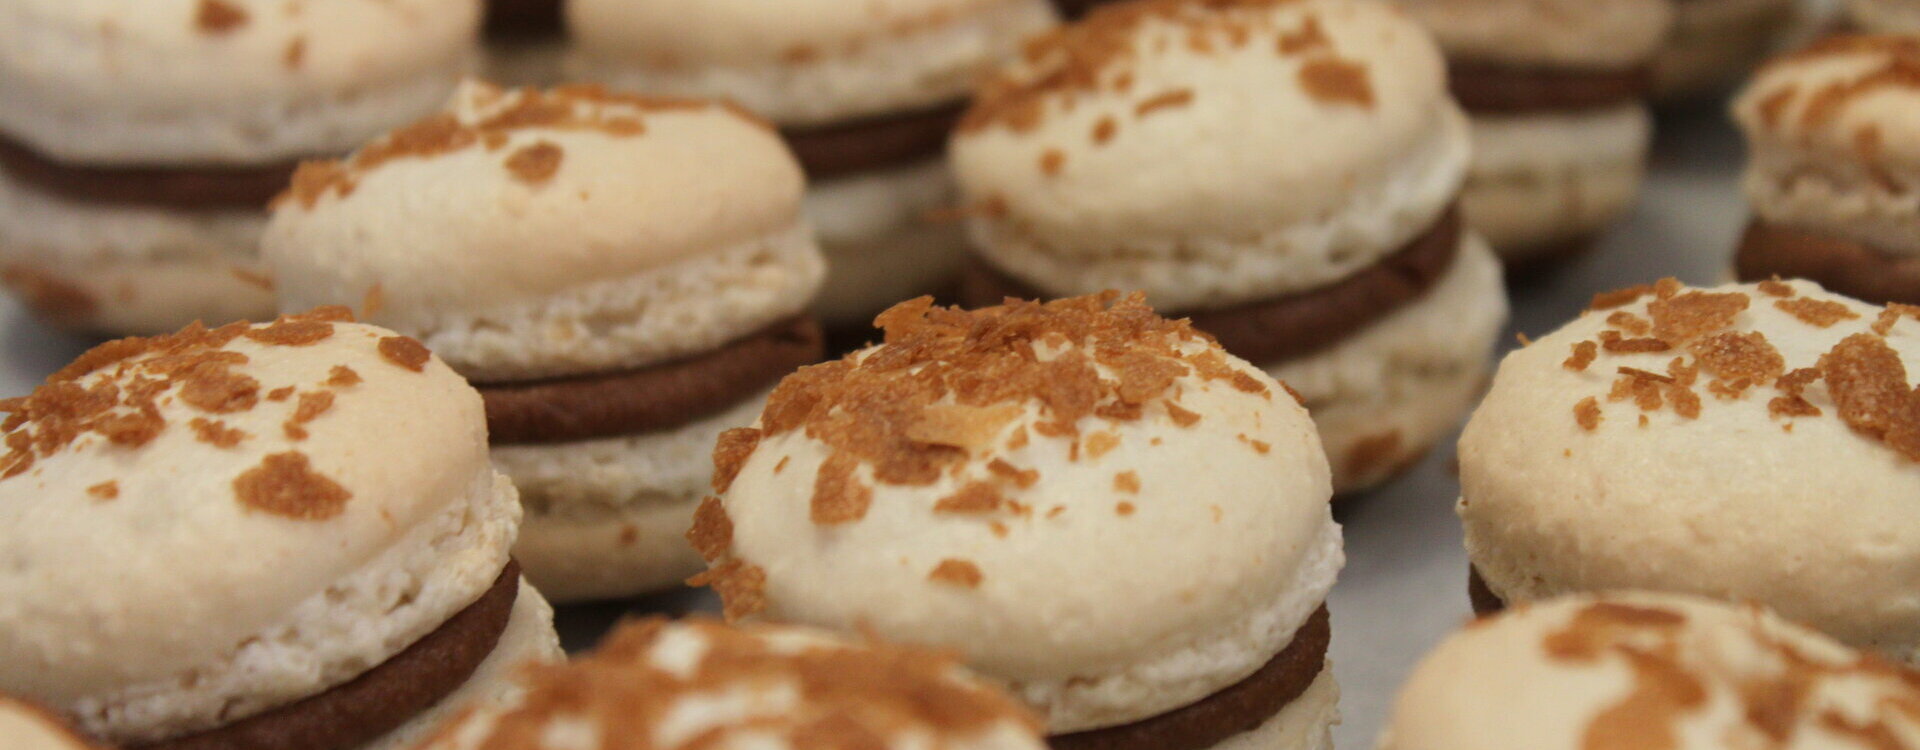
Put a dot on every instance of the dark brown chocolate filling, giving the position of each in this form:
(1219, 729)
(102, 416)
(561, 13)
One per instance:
(184, 187)
(1851, 268)
(1484, 601)
(383, 698)
(655, 398)
(1510, 90)
(873, 143)
(1295, 325)
(1241, 707)
(1074, 9)
(519, 19)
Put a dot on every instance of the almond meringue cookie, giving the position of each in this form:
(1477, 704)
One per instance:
(1833, 161)
(625, 278)
(139, 141)
(1557, 91)
(1885, 16)
(29, 727)
(1635, 669)
(698, 683)
(984, 482)
(1117, 155)
(1745, 442)
(865, 92)
(343, 460)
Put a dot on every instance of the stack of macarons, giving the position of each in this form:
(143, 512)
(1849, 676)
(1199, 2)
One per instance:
(1833, 167)
(623, 278)
(1639, 670)
(1557, 90)
(1747, 442)
(1286, 174)
(277, 535)
(701, 684)
(140, 142)
(866, 93)
(1094, 505)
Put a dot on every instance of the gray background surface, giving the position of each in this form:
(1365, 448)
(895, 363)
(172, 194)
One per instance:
(1404, 586)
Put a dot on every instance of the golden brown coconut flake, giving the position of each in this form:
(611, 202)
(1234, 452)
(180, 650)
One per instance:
(712, 531)
(216, 433)
(957, 572)
(405, 352)
(285, 484)
(1680, 318)
(535, 164)
(1584, 352)
(973, 497)
(730, 454)
(1330, 80)
(1128, 482)
(1587, 413)
(1774, 287)
(1630, 323)
(1868, 383)
(107, 490)
(839, 496)
(217, 17)
(342, 376)
(1619, 297)
(1818, 313)
(1615, 343)
(1738, 361)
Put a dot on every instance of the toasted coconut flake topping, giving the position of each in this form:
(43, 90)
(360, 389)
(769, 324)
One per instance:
(285, 484)
(957, 572)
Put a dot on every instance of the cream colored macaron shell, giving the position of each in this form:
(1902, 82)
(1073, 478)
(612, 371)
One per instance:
(29, 727)
(1139, 150)
(223, 81)
(524, 234)
(343, 462)
(1012, 535)
(802, 62)
(1756, 474)
(1649, 670)
(1542, 180)
(1834, 138)
(679, 685)
(1576, 34)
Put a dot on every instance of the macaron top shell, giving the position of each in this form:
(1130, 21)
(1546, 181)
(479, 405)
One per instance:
(1173, 128)
(1638, 670)
(29, 727)
(149, 81)
(1057, 491)
(166, 498)
(1846, 106)
(1755, 442)
(1565, 34)
(659, 685)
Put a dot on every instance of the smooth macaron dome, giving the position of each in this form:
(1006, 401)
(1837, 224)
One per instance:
(1748, 442)
(1195, 141)
(623, 277)
(1833, 157)
(984, 481)
(697, 683)
(1557, 91)
(29, 727)
(664, 228)
(207, 527)
(803, 63)
(1643, 670)
(140, 141)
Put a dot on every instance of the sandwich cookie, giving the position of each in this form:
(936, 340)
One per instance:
(1125, 152)
(1642, 670)
(1557, 90)
(1716, 43)
(985, 482)
(623, 278)
(1833, 166)
(865, 92)
(526, 42)
(665, 685)
(280, 535)
(30, 727)
(141, 141)
(1885, 16)
(1747, 442)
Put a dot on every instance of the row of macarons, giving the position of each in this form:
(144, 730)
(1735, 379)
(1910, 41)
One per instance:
(291, 535)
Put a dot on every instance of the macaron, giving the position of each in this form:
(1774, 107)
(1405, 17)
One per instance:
(1832, 161)
(1641, 670)
(525, 42)
(623, 277)
(277, 535)
(1749, 442)
(1716, 43)
(1156, 146)
(865, 92)
(987, 482)
(700, 683)
(1885, 16)
(141, 141)
(30, 727)
(1557, 90)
